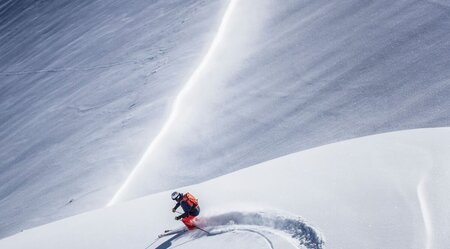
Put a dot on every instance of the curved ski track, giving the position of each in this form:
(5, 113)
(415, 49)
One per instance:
(292, 229)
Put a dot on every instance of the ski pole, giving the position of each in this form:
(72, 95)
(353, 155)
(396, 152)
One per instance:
(202, 230)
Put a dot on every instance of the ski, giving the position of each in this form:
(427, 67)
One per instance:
(170, 232)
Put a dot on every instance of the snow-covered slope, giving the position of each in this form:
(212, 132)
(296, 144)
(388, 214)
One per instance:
(290, 75)
(86, 87)
(384, 191)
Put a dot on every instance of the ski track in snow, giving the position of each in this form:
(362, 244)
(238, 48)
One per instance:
(74, 69)
(292, 228)
(249, 230)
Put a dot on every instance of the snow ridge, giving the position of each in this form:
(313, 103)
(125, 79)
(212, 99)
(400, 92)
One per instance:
(424, 207)
(255, 222)
(178, 102)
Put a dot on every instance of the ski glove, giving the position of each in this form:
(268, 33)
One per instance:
(174, 210)
(177, 217)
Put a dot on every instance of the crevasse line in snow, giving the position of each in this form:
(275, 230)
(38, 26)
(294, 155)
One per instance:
(179, 99)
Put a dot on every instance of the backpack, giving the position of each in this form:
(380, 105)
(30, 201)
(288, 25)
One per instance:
(191, 200)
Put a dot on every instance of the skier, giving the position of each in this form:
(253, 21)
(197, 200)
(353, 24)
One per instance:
(189, 204)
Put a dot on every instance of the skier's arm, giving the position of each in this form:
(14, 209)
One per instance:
(176, 206)
(183, 215)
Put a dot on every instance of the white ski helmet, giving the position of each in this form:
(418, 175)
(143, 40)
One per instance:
(175, 195)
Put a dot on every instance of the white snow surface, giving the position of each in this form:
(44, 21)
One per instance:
(298, 74)
(87, 86)
(84, 87)
(382, 191)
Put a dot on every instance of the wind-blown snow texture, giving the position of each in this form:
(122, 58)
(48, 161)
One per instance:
(297, 74)
(86, 85)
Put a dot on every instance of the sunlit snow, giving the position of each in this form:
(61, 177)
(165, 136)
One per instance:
(362, 193)
(106, 101)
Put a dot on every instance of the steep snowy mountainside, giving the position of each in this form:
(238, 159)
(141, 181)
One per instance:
(87, 86)
(383, 191)
(84, 87)
(292, 75)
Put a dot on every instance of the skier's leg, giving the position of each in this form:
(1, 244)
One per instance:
(189, 222)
